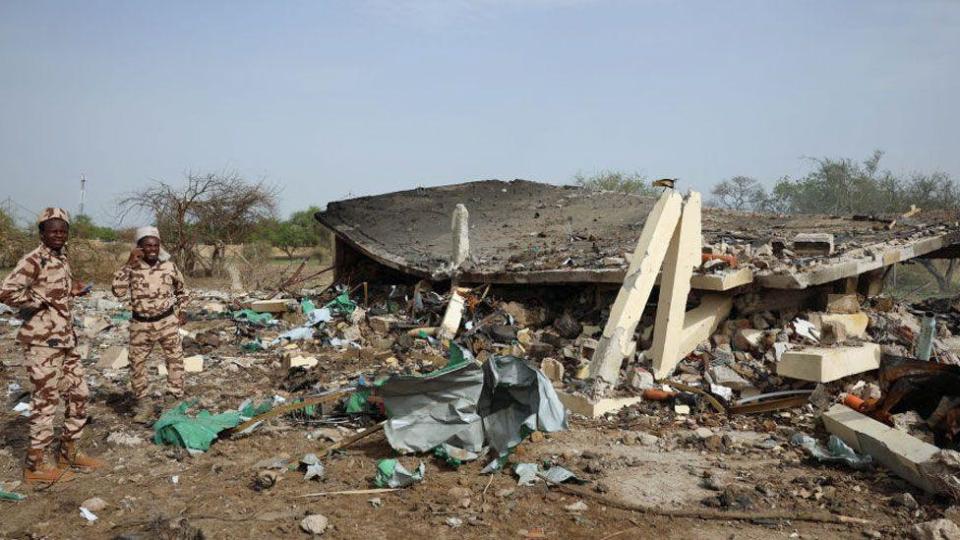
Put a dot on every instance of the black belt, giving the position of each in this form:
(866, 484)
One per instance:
(143, 318)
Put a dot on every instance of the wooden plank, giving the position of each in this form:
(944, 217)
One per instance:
(632, 298)
(682, 256)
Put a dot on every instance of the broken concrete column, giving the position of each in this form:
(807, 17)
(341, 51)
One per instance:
(900, 452)
(682, 256)
(637, 284)
(454, 314)
(461, 235)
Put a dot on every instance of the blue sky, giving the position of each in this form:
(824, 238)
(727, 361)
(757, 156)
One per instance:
(336, 99)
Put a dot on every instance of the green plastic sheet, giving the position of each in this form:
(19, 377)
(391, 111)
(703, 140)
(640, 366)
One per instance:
(10, 496)
(390, 473)
(252, 317)
(342, 304)
(177, 428)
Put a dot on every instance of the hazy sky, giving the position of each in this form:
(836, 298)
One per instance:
(333, 99)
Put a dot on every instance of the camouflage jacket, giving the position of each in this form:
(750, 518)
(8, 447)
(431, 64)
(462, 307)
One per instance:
(40, 285)
(151, 290)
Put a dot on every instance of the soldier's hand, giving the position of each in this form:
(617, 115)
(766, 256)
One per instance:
(135, 255)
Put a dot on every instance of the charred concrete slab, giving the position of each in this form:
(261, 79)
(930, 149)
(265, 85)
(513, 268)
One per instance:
(524, 232)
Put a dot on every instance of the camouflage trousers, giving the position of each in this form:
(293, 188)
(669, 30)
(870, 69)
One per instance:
(56, 374)
(143, 337)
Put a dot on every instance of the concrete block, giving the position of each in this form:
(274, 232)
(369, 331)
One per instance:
(747, 339)
(114, 358)
(855, 324)
(594, 409)
(381, 324)
(269, 306)
(843, 303)
(294, 361)
(900, 452)
(552, 369)
(193, 364)
(819, 364)
(813, 244)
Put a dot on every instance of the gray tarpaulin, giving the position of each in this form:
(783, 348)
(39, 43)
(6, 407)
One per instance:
(441, 407)
(516, 401)
(466, 406)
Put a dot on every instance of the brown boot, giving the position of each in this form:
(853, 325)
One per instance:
(36, 471)
(70, 457)
(143, 413)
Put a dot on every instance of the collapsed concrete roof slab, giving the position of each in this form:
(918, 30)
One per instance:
(537, 233)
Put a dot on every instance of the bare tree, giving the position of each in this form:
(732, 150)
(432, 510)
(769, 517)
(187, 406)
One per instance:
(212, 209)
(738, 193)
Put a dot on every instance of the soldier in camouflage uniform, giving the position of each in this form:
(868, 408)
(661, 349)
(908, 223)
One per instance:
(155, 289)
(42, 287)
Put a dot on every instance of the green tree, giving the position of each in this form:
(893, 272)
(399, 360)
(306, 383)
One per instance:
(82, 226)
(624, 182)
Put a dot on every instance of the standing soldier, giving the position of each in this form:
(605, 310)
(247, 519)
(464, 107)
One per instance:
(42, 287)
(157, 296)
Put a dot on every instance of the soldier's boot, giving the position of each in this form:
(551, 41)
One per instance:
(70, 457)
(36, 471)
(143, 413)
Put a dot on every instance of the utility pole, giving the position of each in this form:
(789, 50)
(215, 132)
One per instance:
(83, 191)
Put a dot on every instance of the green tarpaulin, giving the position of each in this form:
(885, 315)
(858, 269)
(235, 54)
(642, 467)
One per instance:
(176, 428)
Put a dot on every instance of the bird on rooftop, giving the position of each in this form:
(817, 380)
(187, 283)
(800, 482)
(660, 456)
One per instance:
(666, 183)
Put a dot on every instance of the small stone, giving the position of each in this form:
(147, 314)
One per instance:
(578, 506)
(504, 493)
(314, 524)
(953, 514)
(647, 439)
(454, 522)
(537, 436)
(870, 533)
(704, 432)
(938, 529)
(94, 504)
(681, 409)
(375, 502)
(905, 500)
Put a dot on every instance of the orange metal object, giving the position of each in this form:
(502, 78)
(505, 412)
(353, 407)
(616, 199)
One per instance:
(729, 259)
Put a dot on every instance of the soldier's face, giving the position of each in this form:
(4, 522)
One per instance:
(151, 249)
(55, 233)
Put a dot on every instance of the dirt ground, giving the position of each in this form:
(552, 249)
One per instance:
(643, 456)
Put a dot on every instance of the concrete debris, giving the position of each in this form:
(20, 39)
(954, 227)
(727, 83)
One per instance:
(938, 529)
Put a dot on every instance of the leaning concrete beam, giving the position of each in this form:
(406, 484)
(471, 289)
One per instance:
(635, 291)
(682, 256)
(461, 235)
(900, 452)
(701, 322)
(820, 364)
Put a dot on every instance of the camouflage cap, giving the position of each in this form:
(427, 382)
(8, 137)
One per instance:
(53, 213)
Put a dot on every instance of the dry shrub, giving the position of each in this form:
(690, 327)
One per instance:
(96, 261)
